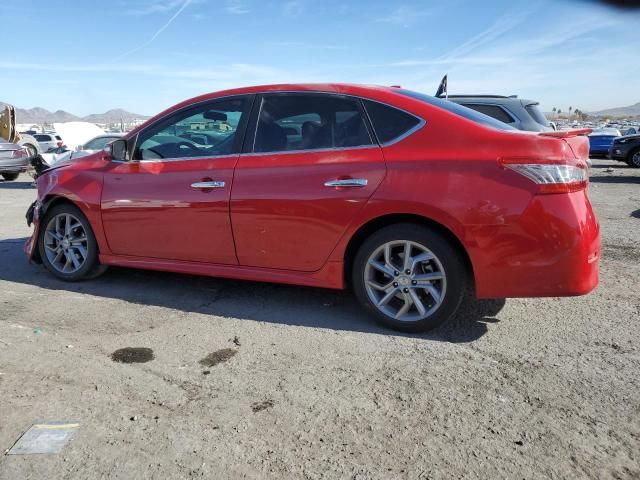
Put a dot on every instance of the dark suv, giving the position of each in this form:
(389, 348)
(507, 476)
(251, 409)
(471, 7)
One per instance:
(626, 149)
(517, 112)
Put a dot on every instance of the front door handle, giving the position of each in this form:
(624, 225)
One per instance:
(212, 184)
(347, 182)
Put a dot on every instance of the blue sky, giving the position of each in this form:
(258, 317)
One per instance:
(145, 55)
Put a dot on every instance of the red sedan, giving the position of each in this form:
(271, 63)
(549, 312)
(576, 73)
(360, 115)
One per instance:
(411, 200)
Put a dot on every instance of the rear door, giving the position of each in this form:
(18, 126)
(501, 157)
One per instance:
(310, 166)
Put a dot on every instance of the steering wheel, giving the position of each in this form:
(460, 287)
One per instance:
(189, 145)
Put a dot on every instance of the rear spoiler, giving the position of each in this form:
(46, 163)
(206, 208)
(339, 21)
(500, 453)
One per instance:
(567, 133)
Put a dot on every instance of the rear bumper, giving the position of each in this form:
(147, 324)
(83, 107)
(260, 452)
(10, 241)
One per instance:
(14, 168)
(552, 250)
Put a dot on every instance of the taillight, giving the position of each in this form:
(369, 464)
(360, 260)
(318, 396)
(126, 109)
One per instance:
(21, 152)
(550, 177)
(60, 144)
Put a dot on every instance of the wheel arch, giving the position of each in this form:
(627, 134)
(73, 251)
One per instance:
(375, 224)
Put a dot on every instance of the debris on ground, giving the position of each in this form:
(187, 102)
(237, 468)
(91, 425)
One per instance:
(259, 406)
(219, 356)
(45, 437)
(133, 355)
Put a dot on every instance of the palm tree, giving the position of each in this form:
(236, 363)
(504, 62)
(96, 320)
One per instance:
(554, 111)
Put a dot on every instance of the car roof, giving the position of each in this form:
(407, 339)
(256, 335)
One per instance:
(336, 88)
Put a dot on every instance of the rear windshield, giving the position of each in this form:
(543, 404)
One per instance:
(537, 114)
(457, 109)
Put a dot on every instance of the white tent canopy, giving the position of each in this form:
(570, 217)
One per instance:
(77, 133)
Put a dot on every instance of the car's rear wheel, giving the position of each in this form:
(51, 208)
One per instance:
(67, 245)
(634, 158)
(409, 277)
(10, 177)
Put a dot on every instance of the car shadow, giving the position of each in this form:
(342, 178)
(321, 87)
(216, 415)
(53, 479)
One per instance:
(15, 185)
(263, 302)
(614, 179)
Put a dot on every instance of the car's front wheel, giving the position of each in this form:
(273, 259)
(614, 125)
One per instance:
(634, 158)
(409, 277)
(66, 243)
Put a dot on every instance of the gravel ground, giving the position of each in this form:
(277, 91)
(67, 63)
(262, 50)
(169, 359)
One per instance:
(253, 380)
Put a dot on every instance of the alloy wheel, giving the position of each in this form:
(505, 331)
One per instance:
(65, 243)
(405, 281)
(635, 159)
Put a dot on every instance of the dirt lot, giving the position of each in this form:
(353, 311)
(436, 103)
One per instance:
(252, 380)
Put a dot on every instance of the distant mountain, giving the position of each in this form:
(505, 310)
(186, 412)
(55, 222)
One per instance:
(40, 115)
(630, 111)
(113, 116)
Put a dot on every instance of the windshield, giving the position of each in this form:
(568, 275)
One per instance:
(465, 112)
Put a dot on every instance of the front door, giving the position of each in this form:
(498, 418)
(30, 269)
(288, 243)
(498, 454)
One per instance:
(171, 200)
(312, 165)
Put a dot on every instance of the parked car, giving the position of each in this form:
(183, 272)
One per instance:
(519, 113)
(14, 159)
(48, 141)
(600, 141)
(9, 134)
(411, 200)
(626, 149)
(94, 145)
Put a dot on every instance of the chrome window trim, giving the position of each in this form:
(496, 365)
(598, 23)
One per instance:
(179, 159)
(186, 107)
(374, 141)
(421, 123)
(315, 150)
(377, 144)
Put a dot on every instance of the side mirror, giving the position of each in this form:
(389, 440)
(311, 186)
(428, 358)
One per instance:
(118, 150)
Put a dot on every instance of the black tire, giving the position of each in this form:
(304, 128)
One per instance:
(457, 276)
(633, 159)
(10, 177)
(91, 265)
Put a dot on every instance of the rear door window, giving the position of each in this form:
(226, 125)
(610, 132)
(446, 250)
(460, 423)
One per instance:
(494, 111)
(293, 121)
(389, 123)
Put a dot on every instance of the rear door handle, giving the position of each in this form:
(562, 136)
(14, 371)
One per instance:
(347, 182)
(212, 184)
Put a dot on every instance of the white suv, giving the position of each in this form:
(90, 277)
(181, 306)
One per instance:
(48, 141)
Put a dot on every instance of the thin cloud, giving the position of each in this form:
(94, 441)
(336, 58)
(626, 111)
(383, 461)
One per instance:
(153, 7)
(319, 46)
(503, 25)
(184, 5)
(293, 8)
(236, 7)
(403, 16)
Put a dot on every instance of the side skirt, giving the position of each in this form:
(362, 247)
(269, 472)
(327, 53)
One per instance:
(330, 276)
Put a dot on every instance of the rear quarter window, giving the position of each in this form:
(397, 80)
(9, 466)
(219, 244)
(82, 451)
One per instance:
(389, 123)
